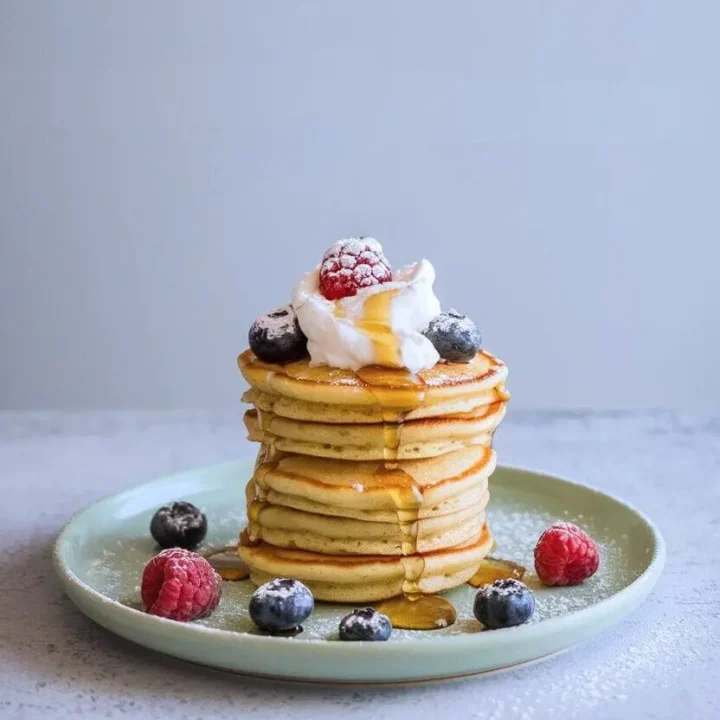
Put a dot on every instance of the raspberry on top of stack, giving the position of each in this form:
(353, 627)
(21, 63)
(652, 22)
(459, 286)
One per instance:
(375, 412)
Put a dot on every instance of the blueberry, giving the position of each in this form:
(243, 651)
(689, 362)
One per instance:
(505, 603)
(276, 337)
(179, 524)
(281, 605)
(365, 624)
(454, 336)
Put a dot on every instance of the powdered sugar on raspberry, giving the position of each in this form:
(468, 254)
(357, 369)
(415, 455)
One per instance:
(355, 246)
(352, 264)
(362, 272)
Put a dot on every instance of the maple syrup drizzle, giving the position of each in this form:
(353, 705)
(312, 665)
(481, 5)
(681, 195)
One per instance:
(395, 400)
(492, 569)
(228, 564)
(418, 612)
(234, 574)
(252, 491)
(246, 540)
(395, 391)
(258, 480)
(375, 325)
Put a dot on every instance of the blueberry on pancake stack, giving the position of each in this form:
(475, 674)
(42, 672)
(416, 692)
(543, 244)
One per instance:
(375, 412)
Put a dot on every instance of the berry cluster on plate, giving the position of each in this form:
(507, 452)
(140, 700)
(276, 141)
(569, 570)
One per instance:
(180, 584)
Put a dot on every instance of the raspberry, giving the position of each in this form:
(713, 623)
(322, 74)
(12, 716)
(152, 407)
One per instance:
(180, 585)
(350, 265)
(565, 555)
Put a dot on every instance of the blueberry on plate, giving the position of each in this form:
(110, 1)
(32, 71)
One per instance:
(505, 603)
(281, 605)
(454, 336)
(179, 524)
(365, 624)
(276, 337)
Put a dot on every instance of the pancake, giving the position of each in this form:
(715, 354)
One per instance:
(393, 389)
(290, 528)
(424, 438)
(370, 491)
(351, 578)
(296, 409)
(472, 496)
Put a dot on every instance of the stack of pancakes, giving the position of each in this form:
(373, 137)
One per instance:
(372, 483)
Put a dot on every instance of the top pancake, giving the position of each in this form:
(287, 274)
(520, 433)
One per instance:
(373, 394)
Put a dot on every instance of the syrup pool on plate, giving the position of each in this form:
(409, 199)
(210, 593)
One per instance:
(228, 564)
(493, 569)
(418, 612)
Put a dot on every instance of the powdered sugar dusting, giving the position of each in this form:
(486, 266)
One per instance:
(279, 589)
(453, 319)
(357, 260)
(277, 322)
(362, 271)
(354, 245)
(366, 618)
(226, 559)
(505, 588)
(116, 565)
(180, 517)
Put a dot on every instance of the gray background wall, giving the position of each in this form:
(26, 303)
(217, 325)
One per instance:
(168, 169)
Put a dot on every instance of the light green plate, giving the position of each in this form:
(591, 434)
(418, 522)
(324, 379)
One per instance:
(101, 553)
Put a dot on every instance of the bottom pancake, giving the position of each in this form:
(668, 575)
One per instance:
(351, 578)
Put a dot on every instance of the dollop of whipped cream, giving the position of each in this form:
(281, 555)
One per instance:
(340, 335)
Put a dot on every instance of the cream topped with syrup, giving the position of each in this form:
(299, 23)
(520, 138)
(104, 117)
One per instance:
(380, 325)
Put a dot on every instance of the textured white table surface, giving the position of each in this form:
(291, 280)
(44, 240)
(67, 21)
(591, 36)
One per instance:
(663, 662)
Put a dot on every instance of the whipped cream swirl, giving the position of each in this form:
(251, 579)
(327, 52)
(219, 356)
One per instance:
(347, 333)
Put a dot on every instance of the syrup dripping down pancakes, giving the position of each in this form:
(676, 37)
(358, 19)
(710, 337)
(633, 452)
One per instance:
(371, 483)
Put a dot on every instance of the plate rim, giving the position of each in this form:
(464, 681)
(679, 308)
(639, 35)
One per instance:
(629, 596)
